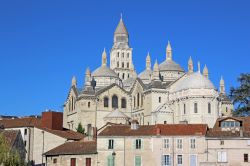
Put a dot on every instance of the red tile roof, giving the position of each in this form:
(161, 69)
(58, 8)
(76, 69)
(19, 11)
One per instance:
(20, 122)
(74, 148)
(150, 130)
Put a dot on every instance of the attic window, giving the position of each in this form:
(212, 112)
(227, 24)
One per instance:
(230, 124)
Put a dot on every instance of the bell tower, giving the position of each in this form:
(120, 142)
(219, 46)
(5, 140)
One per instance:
(121, 54)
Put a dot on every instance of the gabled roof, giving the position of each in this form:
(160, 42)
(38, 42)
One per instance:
(151, 130)
(10, 136)
(74, 148)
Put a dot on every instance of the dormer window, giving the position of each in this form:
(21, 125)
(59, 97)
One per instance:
(230, 124)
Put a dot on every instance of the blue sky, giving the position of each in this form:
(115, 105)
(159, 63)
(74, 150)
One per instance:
(43, 43)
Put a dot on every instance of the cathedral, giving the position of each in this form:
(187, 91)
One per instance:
(162, 94)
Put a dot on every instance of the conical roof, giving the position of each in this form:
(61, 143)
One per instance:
(121, 28)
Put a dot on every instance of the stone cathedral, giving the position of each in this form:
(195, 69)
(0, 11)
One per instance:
(164, 94)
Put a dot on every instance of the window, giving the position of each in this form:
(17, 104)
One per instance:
(193, 160)
(128, 76)
(88, 161)
(166, 160)
(123, 76)
(138, 100)
(221, 142)
(123, 54)
(127, 65)
(54, 161)
(134, 101)
(179, 159)
(111, 144)
(114, 101)
(88, 104)
(209, 108)
(25, 131)
(137, 160)
(117, 54)
(195, 107)
(166, 143)
(184, 109)
(245, 158)
(159, 99)
(124, 103)
(141, 100)
(192, 143)
(25, 143)
(230, 124)
(222, 156)
(122, 64)
(106, 102)
(179, 143)
(117, 64)
(110, 160)
(127, 55)
(73, 162)
(165, 122)
(138, 144)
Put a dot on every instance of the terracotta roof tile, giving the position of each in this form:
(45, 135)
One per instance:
(150, 130)
(20, 122)
(74, 148)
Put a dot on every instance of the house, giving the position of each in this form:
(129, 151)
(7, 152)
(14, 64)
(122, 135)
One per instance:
(229, 142)
(161, 144)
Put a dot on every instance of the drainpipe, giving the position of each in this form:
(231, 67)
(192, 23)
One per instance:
(124, 160)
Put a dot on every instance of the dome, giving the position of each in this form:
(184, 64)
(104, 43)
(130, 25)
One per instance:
(170, 65)
(104, 71)
(146, 74)
(193, 81)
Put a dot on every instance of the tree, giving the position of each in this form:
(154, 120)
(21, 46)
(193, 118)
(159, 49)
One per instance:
(80, 129)
(241, 95)
(8, 157)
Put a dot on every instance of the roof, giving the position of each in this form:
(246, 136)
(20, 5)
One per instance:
(170, 65)
(74, 148)
(116, 114)
(10, 136)
(151, 130)
(121, 28)
(104, 71)
(217, 132)
(20, 122)
(193, 81)
(225, 99)
(146, 74)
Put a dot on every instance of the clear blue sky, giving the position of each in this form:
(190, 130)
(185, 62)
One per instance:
(43, 43)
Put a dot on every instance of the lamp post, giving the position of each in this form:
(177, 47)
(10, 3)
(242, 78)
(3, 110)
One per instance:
(113, 155)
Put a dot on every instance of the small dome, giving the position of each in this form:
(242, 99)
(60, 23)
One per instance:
(146, 74)
(170, 65)
(193, 81)
(104, 71)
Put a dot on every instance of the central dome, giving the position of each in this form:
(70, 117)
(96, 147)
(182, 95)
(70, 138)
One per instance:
(104, 71)
(170, 65)
(193, 81)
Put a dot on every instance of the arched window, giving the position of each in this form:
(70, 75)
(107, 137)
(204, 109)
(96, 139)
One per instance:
(122, 64)
(138, 100)
(114, 101)
(124, 103)
(184, 109)
(128, 65)
(209, 108)
(159, 99)
(88, 104)
(195, 107)
(117, 54)
(123, 76)
(117, 64)
(128, 75)
(127, 55)
(106, 102)
(123, 54)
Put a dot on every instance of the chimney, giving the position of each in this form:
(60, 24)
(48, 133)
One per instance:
(134, 125)
(241, 132)
(52, 120)
(158, 131)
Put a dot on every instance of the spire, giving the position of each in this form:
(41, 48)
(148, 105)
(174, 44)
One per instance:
(190, 65)
(222, 85)
(121, 28)
(169, 51)
(148, 62)
(73, 82)
(87, 77)
(205, 71)
(199, 67)
(156, 71)
(104, 58)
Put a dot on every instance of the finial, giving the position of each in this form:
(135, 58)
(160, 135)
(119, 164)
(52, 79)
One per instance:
(73, 82)
(169, 51)
(148, 62)
(222, 85)
(205, 71)
(121, 16)
(104, 57)
(190, 60)
(190, 65)
(199, 67)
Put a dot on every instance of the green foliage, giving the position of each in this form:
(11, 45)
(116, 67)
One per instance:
(80, 129)
(241, 96)
(8, 157)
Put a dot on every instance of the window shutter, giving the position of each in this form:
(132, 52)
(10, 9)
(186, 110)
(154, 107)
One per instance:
(224, 156)
(219, 156)
(107, 143)
(134, 142)
(162, 160)
(170, 160)
(142, 144)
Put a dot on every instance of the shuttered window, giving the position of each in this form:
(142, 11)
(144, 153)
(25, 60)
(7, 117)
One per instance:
(222, 156)
(110, 161)
(137, 160)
